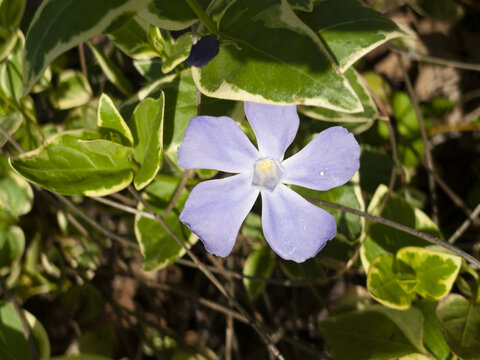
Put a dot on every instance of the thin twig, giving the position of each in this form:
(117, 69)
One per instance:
(183, 182)
(83, 62)
(436, 60)
(427, 237)
(264, 336)
(465, 225)
(426, 143)
(26, 329)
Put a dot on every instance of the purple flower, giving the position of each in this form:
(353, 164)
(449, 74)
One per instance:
(294, 228)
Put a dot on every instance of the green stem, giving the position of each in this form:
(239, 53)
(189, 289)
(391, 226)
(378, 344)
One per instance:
(203, 16)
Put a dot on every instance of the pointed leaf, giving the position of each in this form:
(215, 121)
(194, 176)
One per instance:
(275, 59)
(304, 5)
(110, 123)
(148, 118)
(349, 29)
(113, 72)
(11, 71)
(171, 14)
(77, 162)
(132, 38)
(368, 114)
(59, 25)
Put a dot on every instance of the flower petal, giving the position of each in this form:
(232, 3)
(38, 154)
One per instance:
(329, 160)
(215, 210)
(295, 229)
(274, 126)
(216, 143)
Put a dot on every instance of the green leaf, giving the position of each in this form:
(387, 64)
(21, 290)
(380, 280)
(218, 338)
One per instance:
(374, 333)
(445, 10)
(432, 336)
(81, 357)
(13, 345)
(71, 91)
(180, 107)
(383, 286)
(159, 249)
(16, 195)
(7, 44)
(460, 324)
(148, 119)
(132, 38)
(177, 52)
(12, 246)
(59, 25)
(77, 162)
(11, 12)
(368, 114)
(99, 341)
(110, 123)
(349, 29)
(114, 74)
(171, 14)
(11, 71)
(10, 122)
(383, 239)
(375, 168)
(407, 126)
(304, 5)
(289, 61)
(260, 263)
(434, 272)
(308, 270)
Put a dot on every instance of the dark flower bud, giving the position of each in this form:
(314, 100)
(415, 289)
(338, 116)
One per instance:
(203, 51)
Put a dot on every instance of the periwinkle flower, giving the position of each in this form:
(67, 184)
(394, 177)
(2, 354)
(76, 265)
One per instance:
(203, 51)
(294, 228)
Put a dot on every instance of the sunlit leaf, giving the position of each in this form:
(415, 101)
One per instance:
(289, 61)
(368, 114)
(72, 90)
(382, 284)
(349, 29)
(383, 239)
(13, 345)
(110, 123)
(148, 119)
(432, 272)
(59, 25)
(171, 14)
(77, 162)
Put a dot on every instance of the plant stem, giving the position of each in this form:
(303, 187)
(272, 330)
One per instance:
(203, 16)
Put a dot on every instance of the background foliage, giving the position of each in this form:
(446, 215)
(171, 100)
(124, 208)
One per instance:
(95, 97)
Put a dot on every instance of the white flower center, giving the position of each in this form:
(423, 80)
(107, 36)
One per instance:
(266, 173)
